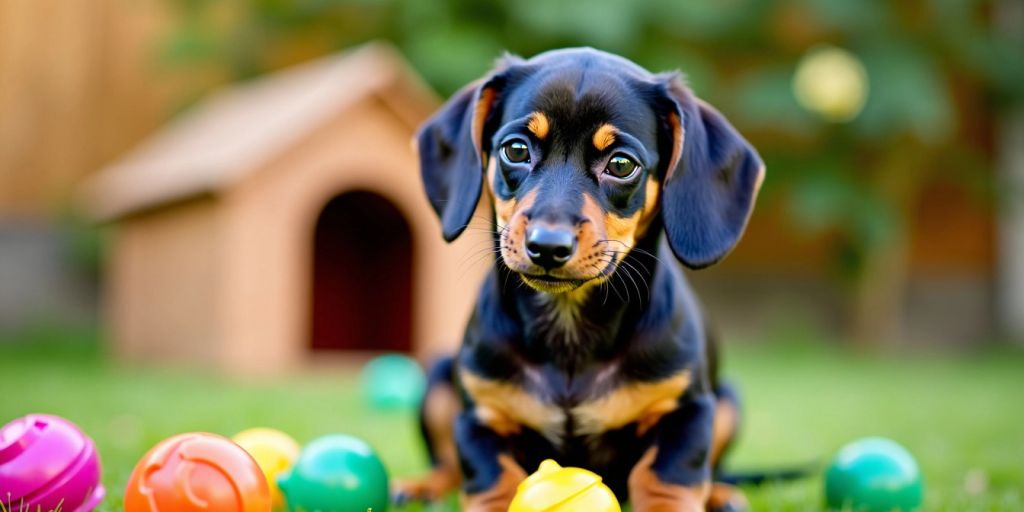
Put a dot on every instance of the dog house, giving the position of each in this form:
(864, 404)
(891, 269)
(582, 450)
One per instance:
(283, 218)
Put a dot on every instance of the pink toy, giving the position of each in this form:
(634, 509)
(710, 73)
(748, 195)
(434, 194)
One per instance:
(46, 462)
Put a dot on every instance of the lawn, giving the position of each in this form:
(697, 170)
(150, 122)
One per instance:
(961, 415)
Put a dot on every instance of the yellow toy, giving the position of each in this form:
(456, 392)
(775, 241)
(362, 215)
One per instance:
(556, 489)
(274, 451)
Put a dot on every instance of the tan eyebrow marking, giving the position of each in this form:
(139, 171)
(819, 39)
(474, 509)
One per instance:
(538, 124)
(604, 136)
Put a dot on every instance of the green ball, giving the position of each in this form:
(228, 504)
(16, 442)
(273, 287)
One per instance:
(336, 473)
(393, 381)
(873, 475)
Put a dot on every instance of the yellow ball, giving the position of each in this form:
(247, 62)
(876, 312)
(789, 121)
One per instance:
(556, 489)
(831, 82)
(273, 450)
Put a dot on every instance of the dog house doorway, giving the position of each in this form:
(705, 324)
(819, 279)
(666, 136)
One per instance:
(362, 276)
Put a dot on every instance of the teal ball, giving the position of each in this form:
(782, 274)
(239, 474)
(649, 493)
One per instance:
(336, 473)
(873, 475)
(393, 381)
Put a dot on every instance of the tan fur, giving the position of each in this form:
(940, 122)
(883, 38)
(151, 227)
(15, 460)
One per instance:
(648, 493)
(678, 136)
(652, 193)
(503, 208)
(644, 402)
(480, 111)
(726, 420)
(513, 224)
(591, 231)
(505, 407)
(604, 136)
(723, 495)
(491, 174)
(498, 497)
(539, 125)
(440, 407)
(760, 180)
(434, 486)
(622, 229)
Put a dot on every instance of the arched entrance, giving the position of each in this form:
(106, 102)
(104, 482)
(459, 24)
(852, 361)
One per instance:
(362, 276)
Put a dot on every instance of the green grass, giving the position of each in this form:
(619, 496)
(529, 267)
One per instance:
(960, 415)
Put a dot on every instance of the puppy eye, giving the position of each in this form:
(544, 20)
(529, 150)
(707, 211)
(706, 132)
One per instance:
(622, 167)
(516, 152)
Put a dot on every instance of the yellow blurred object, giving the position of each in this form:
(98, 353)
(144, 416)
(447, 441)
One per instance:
(273, 450)
(556, 489)
(831, 82)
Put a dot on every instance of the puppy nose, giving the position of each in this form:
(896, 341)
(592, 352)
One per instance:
(550, 246)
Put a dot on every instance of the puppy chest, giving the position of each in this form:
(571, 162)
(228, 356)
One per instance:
(506, 407)
(643, 403)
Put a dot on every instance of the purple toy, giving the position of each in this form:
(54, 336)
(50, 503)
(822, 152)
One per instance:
(46, 461)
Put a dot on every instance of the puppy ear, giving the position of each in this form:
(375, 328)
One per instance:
(453, 153)
(711, 180)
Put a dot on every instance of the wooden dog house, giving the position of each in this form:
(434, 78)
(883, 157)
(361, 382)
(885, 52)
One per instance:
(282, 218)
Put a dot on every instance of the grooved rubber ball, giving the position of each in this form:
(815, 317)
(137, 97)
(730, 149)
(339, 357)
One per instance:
(197, 472)
(274, 451)
(553, 488)
(873, 475)
(46, 461)
(392, 382)
(336, 473)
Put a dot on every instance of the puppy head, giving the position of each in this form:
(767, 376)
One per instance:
(583, 155)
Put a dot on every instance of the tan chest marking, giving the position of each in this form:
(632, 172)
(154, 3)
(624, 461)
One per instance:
(505, 407)
(644, 403)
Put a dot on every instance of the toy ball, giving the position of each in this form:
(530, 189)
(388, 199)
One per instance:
(197, 472)
(393, 381)
(46, 462)
(873, 474)
(336, 473)
(273, 450)
(556, 489)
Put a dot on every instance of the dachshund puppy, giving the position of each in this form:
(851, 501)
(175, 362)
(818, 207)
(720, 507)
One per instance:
(586, 344)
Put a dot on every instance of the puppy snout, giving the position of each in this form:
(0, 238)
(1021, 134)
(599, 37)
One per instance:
(550, 246)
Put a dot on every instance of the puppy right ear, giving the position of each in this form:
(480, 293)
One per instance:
(453, 153)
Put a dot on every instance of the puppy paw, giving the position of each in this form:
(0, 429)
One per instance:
(726, 498)
(432, 487)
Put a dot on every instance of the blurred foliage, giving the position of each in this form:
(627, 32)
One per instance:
(931, 66)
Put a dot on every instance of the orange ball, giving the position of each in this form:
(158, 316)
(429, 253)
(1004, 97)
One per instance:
(197, 472)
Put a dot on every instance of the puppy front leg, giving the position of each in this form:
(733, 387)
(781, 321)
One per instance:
(675, 472)
(490, 473)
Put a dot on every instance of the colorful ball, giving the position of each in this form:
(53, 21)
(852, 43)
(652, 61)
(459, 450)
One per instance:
(197, 472)
(46, 462)
(873, 474)
(336, 473)
(553, 488)
(274, 451)
(393, 381)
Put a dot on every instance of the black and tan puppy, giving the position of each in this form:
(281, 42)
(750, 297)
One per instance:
(586, 345)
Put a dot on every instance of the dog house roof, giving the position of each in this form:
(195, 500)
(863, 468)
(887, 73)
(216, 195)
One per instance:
(235, 131)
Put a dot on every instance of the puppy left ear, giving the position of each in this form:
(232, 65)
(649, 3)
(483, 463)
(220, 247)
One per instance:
(711, 180)
(452, 150)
